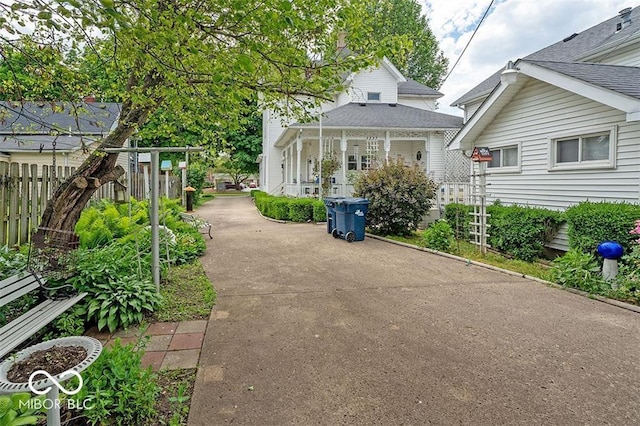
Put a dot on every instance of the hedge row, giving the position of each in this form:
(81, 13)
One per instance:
(591, 223)
(293, 209)
(516, 230)
(522, 231)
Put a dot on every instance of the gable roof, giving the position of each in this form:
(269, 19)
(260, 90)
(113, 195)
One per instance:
(412, 87)
(35, 126)
(387, 116)
(612, 85)
(50, 118)
(376, 117)
(621, 79)
(576, 47)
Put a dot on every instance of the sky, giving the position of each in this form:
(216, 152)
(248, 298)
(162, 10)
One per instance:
(512, 29)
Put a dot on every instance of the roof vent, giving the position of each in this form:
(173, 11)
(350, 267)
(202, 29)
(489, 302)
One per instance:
(571, 37)
(363, 104)
(625, 15)
(392, 105)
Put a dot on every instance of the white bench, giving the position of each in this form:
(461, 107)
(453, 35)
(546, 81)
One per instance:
(26, 325)
(197, 223)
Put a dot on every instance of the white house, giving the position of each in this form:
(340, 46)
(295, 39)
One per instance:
(381, 115)
(29, 131)
(563, 124)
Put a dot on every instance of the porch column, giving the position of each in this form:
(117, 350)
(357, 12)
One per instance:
(387, 146)
(291, 163)
(299, 151)
(427, 156)
(343, 148)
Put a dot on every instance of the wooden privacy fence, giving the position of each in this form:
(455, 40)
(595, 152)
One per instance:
(25, 190)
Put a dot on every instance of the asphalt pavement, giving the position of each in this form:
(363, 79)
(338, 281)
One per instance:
(310, 330)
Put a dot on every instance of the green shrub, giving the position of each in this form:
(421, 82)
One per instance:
(105, 221)
(592, 223)
(119, 390)
(279, 208)
(458, 217)
(196, 173)
(301, 209)
(439, 236)
(319, 211)
(18, 409)
(120, 303)
(11, 262)
(522, 231)
(578, 270)
(399, 197)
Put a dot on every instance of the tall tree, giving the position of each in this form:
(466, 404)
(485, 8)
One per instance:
(423, 60)
(211, 53)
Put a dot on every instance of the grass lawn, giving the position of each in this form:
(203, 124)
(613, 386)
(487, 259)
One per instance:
(470, 251)
(187, 293)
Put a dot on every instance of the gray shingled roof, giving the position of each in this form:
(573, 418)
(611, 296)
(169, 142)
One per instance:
(412, 87)
(65, 117)
(567, 51)
(385, 116)
(43, 143)
(621, 79)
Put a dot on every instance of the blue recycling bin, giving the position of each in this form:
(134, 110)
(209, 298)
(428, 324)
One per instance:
(330, 204)
(350, 218)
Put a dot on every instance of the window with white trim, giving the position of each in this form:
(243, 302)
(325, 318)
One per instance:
(373, 96)
(588, 150)
(504, 158)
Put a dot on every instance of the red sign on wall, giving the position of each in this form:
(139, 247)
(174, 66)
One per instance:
(481, 154)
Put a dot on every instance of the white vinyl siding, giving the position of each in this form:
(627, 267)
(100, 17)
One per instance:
(537, 113)
(627, 56)
(377, 80)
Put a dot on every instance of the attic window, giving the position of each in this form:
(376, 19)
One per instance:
(373, 96)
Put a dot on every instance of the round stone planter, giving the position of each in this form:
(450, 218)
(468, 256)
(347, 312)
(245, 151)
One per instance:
(92, 346)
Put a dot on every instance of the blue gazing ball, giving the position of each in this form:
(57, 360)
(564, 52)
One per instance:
(610, 250)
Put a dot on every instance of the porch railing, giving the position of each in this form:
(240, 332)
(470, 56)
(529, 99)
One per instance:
(453, 192)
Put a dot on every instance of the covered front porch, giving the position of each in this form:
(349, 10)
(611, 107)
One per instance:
(353, 151)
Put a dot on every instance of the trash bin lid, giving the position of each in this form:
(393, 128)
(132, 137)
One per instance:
(354, 200)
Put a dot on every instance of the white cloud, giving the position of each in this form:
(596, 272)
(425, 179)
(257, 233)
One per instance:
(513, 29)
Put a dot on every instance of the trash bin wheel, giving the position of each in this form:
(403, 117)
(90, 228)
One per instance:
(350, 237)
(335, 233)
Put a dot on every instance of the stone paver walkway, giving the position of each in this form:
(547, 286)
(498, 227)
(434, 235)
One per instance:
(171, 345)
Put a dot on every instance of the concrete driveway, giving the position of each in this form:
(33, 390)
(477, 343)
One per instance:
(313, 330)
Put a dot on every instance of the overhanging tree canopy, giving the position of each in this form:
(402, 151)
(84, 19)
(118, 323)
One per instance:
(212, 53)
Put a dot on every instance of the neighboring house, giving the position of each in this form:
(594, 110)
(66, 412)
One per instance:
(29, 130)
(563, 124)
(381, 115)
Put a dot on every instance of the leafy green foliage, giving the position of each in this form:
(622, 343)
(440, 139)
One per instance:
(105, 221)
(399, 197)
(287, 208)
(18, 409)
(522, 231)
(438, 236)
(592, 223)
(11, 262)
(457, 215)
(578, 270)
(120, 303)
(628, 279)
(325, 169)
(67, 324)
(119, 390)
(301, 209)
(319, 211)
(196, 173)
(422, 60)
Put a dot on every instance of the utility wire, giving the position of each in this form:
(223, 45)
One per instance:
(486, 12)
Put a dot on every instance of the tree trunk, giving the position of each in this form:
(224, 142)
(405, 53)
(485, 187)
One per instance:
(72, 195)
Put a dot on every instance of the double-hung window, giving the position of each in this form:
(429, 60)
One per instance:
(505, 159)
(592, 149)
